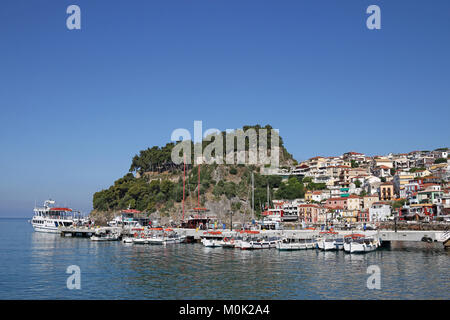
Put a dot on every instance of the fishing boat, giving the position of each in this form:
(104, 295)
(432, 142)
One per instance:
(49, 218)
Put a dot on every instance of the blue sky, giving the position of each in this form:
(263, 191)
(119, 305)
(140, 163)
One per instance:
(75, 106)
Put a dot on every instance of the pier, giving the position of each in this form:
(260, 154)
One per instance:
(84, 232)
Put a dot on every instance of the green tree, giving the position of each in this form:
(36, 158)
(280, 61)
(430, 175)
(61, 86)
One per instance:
(440, 160)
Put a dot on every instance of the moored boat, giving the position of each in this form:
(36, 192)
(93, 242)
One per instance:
(105, 235)
(50, 219)
(357, 243)
(288, 244)
(327, 241)
(227, 243)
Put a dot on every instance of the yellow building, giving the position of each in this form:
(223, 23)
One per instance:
(369, 200)
(350, 216)
(386, 191)
(308, 196)
(354, 202)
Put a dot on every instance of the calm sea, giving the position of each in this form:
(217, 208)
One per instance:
(33, 266)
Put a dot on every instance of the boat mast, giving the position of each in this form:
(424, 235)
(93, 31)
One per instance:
(198, 187)
(253, 196)
(184, 179)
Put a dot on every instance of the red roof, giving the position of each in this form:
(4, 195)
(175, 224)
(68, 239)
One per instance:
(337, 199)
(131, 211)
(308, 205)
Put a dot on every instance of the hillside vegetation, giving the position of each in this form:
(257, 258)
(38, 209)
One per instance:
(155, 184)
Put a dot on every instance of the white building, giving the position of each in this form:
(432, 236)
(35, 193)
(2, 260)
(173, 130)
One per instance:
(379, 211)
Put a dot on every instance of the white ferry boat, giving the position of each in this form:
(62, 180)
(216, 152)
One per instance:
(49, 218)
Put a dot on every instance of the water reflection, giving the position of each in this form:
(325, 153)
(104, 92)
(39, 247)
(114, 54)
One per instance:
(33, 266)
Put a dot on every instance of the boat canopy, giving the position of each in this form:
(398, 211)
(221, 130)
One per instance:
(60, 209)
(354, 235)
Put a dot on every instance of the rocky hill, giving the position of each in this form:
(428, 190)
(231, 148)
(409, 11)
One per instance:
(154, 185)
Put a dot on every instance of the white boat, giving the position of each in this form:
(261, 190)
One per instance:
(126, 222)
(258, 244)
(311, 243)
(246, 244)
(127, 240)
(360, 244)
(105, 235)
(173, 238)
(326, 244)
(288, 244)
(265, 243)
(49, 219)
(328, 241)
(227, 243)
(237, 242)
(339, 243)
(254, 244)
(164, 237)
(211, 242)
(273, 242)
(141, 240)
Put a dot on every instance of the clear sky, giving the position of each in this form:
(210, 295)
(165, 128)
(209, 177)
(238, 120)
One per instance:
(76, 106)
